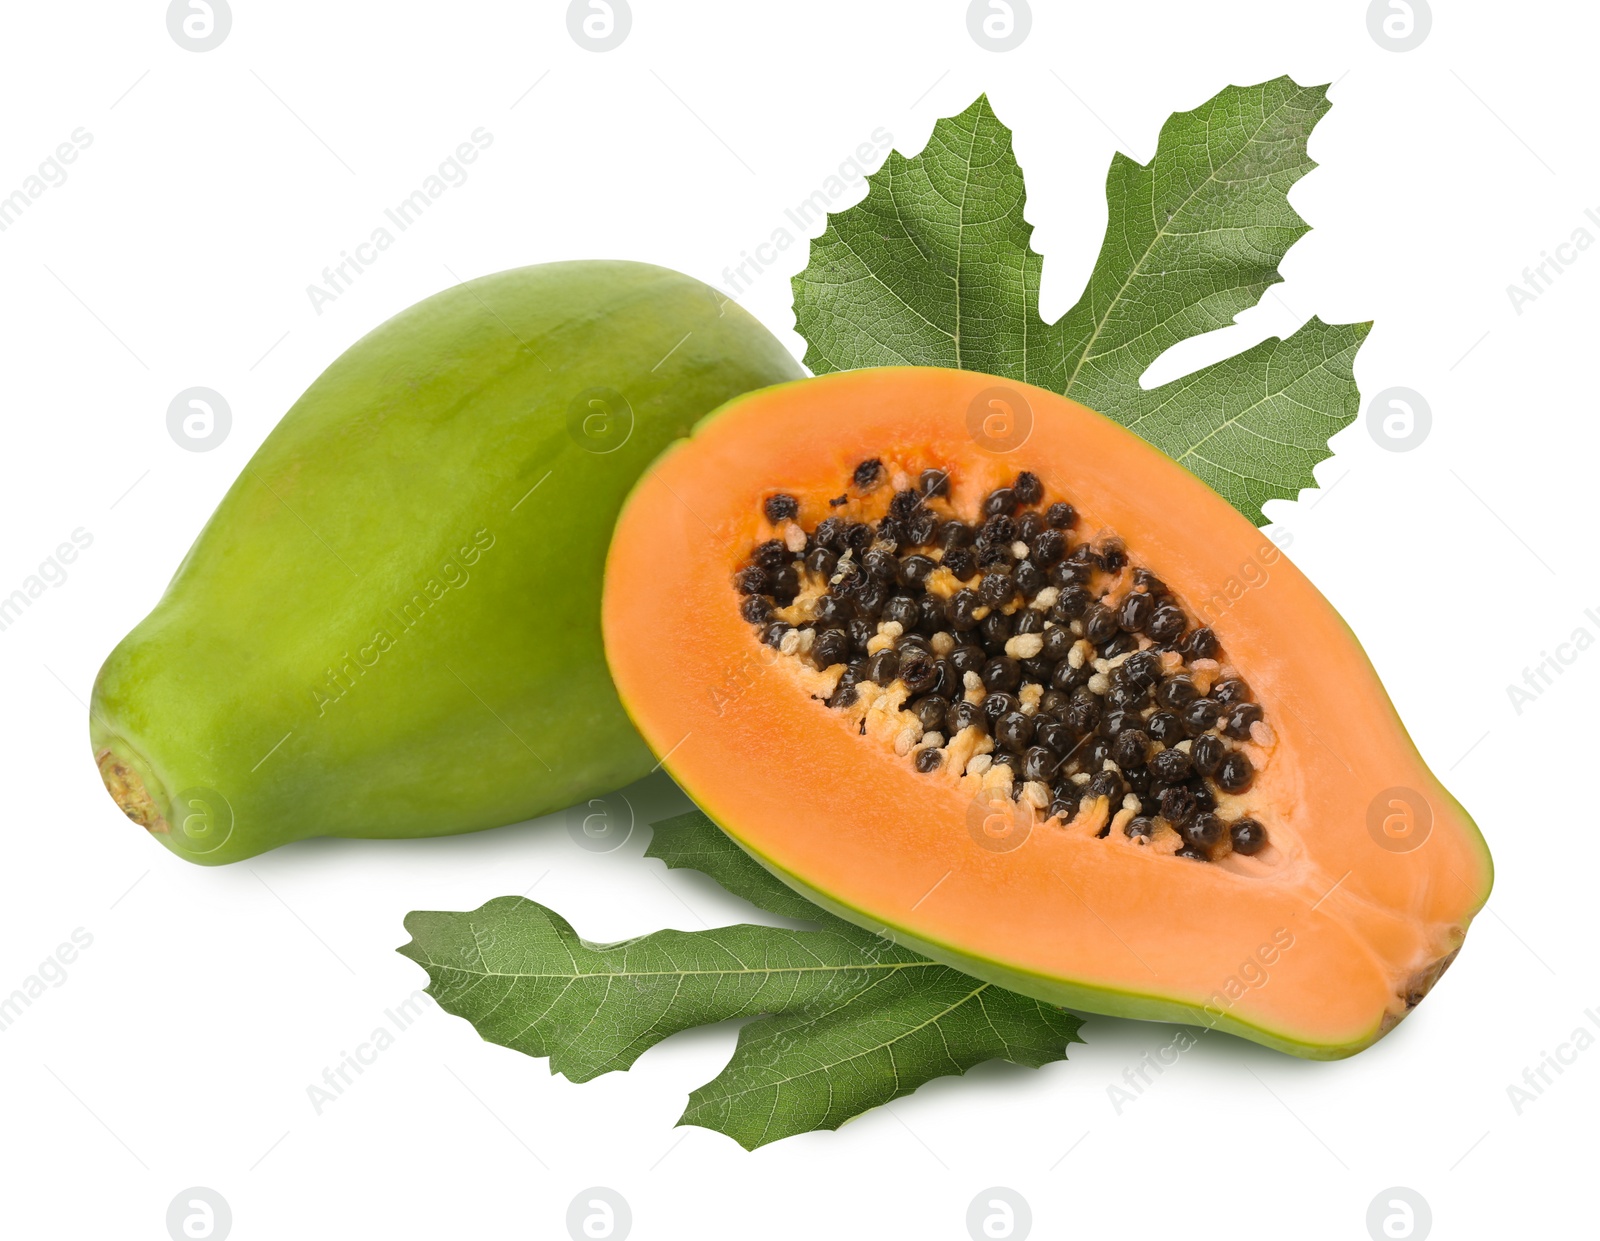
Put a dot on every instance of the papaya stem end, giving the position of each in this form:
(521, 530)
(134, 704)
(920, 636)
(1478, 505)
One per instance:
(127, 789)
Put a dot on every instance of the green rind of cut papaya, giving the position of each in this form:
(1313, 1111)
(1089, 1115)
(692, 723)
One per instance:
(1108, 1002)
(390, 625)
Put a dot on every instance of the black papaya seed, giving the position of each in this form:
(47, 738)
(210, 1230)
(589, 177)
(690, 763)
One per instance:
(1248, 837)
(867, 474)
(1236, 774)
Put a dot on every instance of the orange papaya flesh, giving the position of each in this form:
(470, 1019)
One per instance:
(1315, 941)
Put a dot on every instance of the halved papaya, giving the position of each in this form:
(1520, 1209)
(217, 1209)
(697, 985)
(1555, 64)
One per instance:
(972, 666)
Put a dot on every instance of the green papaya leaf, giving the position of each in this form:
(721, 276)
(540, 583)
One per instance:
(935, 268)
(691, 841)
(848, 1020)
(858, 1047)
(819, 1067)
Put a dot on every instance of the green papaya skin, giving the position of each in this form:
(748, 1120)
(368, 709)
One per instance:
(390, 627)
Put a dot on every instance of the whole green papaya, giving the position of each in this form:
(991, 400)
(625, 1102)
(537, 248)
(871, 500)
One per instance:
(391, 624)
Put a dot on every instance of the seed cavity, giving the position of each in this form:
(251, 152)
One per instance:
(1016, 657)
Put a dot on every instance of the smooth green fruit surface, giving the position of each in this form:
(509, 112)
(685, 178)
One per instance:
(391, 624)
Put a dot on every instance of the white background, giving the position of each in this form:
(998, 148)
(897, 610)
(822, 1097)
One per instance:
(177, 253)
